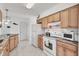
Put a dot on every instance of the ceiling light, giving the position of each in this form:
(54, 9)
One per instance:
(30, 5)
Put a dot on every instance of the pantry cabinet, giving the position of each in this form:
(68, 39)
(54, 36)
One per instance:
(66, 48)
(64, 18)
(44, 23)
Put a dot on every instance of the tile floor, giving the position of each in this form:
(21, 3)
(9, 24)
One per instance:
(25, 49)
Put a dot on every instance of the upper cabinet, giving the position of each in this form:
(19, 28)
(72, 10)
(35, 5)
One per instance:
(54, 17)
(45, 23)
(73, 17)
(50, 18)
(64, 18)
(0, 18)
(69, 17)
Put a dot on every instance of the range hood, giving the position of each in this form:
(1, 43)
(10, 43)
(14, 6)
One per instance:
(54, 24)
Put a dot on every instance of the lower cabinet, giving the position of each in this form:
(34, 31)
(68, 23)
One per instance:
(6, 49)
(66, 49)
(40, 42)
(60, 51)
(12, 43)
(16, 41)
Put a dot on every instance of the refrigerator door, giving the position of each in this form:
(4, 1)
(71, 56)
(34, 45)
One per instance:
(36, 30)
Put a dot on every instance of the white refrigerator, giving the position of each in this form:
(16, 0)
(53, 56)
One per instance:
(36, 30)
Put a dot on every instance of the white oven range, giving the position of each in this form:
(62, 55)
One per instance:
(49, 46)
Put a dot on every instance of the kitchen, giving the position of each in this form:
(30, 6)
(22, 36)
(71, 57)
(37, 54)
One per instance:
(52, 29)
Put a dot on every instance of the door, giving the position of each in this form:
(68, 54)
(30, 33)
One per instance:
(64, 18)
(23, 31)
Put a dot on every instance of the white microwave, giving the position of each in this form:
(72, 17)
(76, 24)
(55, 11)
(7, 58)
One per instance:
(69, 36)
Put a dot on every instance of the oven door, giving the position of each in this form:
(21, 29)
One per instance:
(50, 47)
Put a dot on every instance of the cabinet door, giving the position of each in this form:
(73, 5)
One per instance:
(69, 52)
(44, 23)
(50, 18)
(60, 50)
(40, 42)
(64, 18)
(56, 17)
(73, 17)
(11, 43)
(6, 49)
(16, 41)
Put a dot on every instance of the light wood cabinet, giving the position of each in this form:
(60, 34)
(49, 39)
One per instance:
(69, 17)
(16, 41)
(40, 42)
(69, 52)
(73, 17)
(12, 43)
(39, 21)
(60, 50)
(6, 49)
(64, 48)
(56, 17)
(65, 18)
(50, 18)
(44, 23)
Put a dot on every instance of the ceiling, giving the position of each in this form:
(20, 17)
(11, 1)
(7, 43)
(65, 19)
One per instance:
(20, 8)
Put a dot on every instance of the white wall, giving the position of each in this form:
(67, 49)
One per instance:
(56, 8)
